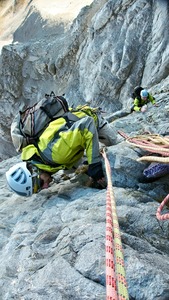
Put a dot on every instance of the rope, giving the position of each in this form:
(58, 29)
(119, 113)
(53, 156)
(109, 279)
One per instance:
(151, 142)
(156, 144)
(154, 159)
(159, 216)
(116, 285)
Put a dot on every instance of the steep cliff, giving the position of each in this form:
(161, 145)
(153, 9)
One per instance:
(52, 245)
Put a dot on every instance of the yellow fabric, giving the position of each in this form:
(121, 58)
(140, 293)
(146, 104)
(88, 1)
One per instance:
(64, 148)
(83, 110)
(28, 152)
(50, 131)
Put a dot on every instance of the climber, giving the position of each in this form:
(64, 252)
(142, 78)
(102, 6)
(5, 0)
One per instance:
(142, 98)
(61, 148)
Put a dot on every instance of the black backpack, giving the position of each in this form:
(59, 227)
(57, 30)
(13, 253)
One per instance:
(136, 93)
(28, 125)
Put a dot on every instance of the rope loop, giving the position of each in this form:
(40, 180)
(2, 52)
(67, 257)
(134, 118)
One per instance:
(159, 216)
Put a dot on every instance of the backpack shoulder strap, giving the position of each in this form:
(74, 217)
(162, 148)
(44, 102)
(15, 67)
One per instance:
(70, 118)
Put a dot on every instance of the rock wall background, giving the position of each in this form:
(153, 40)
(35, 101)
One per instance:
(52, 245)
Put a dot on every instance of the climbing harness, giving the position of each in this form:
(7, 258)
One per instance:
(116, 285)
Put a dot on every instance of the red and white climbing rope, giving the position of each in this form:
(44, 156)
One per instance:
(116, 285)
(157, 144)
(159, 210)
(153, 143)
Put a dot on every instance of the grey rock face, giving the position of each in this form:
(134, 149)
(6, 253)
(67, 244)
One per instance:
(52, 245)
(108, 49)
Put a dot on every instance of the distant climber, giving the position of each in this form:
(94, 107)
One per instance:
(141, 99)
(137, 102)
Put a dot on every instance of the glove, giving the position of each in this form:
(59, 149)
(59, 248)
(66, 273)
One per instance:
(144, 108)
(95, 171)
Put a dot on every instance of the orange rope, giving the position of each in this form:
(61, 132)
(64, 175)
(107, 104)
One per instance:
(158, 145)
(116, 285)
(159, 210)
(153, 143)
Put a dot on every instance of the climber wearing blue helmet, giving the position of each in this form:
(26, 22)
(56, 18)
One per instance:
(141, 100)
(144, 94)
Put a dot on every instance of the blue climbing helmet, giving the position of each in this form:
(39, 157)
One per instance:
(24, 179)
(144, 93)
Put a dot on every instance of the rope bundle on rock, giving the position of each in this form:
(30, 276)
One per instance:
(153, 143)
(157, 144)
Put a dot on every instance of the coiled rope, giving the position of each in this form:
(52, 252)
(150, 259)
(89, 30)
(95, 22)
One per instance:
(157, 144)
(153, 143)
(116, 285)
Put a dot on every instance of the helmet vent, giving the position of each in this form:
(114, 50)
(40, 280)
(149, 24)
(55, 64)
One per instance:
(19, 179)
(19, 176)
